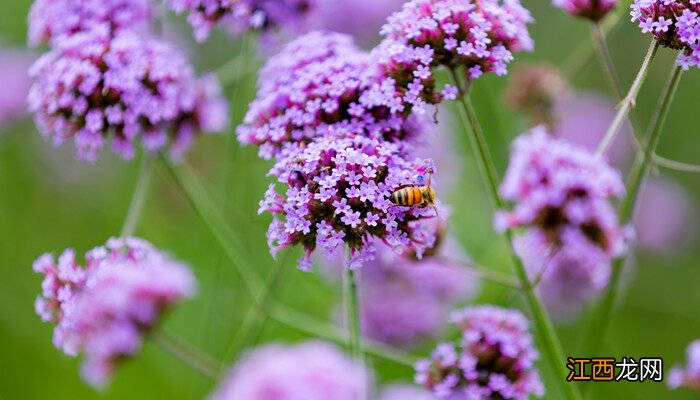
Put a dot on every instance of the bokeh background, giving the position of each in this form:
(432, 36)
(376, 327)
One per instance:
(49, 201)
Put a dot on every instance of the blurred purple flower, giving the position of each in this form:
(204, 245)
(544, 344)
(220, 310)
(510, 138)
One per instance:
(14, 67)
(104, 309)
(94, 88)
(405, 392)
(477, 36)
(51, 21)
(674, 24)
(332, 15)
(494, 358)
(241, 15)
(690, 375)
(666, 219)
(591, 9)
(584, 118)
(337, 195)
(308, 371)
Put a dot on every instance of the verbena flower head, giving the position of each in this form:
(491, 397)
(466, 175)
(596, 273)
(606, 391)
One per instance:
(592, 9)
(14, 65)
(690, 375)
(93, 89)
(562, 192)
(475, 36)
(536, 90)
(321, 84)
(337, 192)
(309, 371)
(51, 21)
(494, 358)
(104, 309)
(674, 24)
(569, 277)
(241, 15)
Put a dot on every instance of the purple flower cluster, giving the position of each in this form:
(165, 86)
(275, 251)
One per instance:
(239, 15)
(674, 24)
(690, 375)
(561, 196)
(13, 68)
(591, 9)
(494, 359)
(51, 21)
(308, 371)
(478, 36)
(104, 309)
(93, 88)
(405, 392)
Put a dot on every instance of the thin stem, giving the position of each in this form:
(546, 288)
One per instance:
(139, 197)
(629, 100)
(353, 310)
(484, 273)
(676, 165)
(638, 176)
(548, 335)
(232, 71)
(189, 355)
(609, 66)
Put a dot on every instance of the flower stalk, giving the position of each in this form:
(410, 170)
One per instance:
(139, 197)
(189, 355)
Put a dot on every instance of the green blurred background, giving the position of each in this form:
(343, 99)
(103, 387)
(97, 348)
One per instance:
(49, 202)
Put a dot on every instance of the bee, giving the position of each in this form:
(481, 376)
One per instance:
(415, 195)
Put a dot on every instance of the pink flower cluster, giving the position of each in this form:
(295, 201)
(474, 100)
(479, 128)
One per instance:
(13, 68)
(690, 375)
(674, 24)
(239, 15)
(104, 309)
(493, 360)
(591, 9)
(308, 371)
(561, 195)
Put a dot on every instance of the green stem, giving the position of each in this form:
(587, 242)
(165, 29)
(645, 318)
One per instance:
(629, 100)
(139, 197)
(637, 178)
(484, 273)
(353, 310)
(189, 355)
(548, 335)
(609, 66)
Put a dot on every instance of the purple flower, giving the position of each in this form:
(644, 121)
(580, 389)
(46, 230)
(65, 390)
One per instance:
(674, 24)
(94, 88)
(536, 90)
(494, 358)
(477, 36)
(321, 84)
(690, 375)
(308, 217)
(405, 392)
(241, 15)
(104, 309)
(14, 65)
(309, 371)
(51, 21)
(591, 9)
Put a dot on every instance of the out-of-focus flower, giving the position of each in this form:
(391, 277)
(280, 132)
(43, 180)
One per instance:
(674, 24)
(337, 195)
(95, 88)
(666, 218)
(51, 21)
(308, 371)
(592, 9)
(690, 375)
(584, 118)
(14, 67)
(494, 358)
(104, 309)
(321, 84)
(535, 90)
(405, 392)
(332, 15)
(476, 37)
(241, 15)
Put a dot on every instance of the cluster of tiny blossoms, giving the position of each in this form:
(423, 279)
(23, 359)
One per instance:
(475, 36)
(674, 24)
(94, 88)
(561, 195)
(104, 308)
(240, 15)
(591, 9)
(690, 375)
(494, 359)
(308, 371)
(51, 21)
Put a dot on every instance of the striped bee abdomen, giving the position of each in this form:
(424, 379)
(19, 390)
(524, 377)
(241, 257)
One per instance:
(408, 196)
